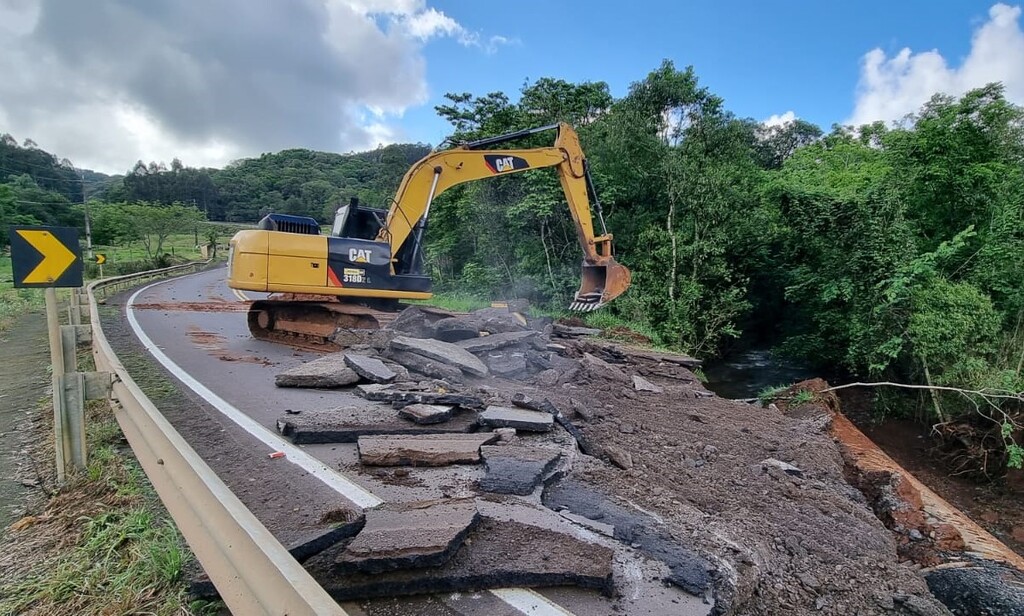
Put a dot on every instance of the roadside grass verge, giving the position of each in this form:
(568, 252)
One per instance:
(102, 543)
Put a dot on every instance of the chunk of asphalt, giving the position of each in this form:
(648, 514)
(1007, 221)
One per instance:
(567, 331)
(387, 393)
(516, 469)
(325, 372)
(523, 401)
(520, 419)
(687, 569)
(493, 342)
(408, 536)
(426, 414)
(426, 366)
(642, 384)
(506, 364)
(413, 322)
(422, 450)
(346, 425)
(454, 329)
(978, 587)
(600, 369)
(370, 368)
(496, 554)
(785, 467)
(444, 352)
(318, 540)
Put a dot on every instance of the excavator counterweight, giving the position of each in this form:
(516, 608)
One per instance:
(355, 276)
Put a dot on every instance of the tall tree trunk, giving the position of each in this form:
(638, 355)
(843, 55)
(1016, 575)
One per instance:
(547, 257)
(669, 224)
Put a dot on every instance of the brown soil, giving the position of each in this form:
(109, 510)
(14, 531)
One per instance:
(213, 342)
(620, 332)
(807, 544)
(216, 306)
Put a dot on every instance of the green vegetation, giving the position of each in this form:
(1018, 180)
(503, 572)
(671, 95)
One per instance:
(107, 544)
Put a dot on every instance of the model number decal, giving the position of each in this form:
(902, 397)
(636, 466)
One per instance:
(357, 276)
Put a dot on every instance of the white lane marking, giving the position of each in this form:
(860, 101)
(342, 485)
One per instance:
(525, 600)
(335, 480)
(241, 295)
(530, 602)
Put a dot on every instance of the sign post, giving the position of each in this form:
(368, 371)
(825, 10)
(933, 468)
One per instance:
(49, 257)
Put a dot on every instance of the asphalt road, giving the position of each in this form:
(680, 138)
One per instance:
(195, 327)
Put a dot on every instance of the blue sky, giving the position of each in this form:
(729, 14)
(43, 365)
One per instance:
(213, 82)
(764, 58)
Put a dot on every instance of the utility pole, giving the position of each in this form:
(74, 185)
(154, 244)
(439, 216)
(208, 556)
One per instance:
(85, 203)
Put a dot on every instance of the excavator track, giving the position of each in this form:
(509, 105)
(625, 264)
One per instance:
(310, 321)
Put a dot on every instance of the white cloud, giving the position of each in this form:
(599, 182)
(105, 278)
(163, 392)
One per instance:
(109, 82)
(779, 120)
(891, 88)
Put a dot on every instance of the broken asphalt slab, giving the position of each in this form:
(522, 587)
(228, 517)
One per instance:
(444, 352)
(318, 540)
(520, 419)
(687, 569)
(642, 384)
(516, 469)
(422, 450)
(388, 393)
(370, 368)
(496, 554)
(493, 342)
(426, 414)
(346, 425)
(408, 536)
(426, 366)
(324, 372)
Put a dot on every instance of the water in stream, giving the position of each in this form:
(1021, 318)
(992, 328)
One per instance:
(746, 374)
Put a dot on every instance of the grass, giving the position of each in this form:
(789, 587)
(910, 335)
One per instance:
(770, 394)
(102, 543)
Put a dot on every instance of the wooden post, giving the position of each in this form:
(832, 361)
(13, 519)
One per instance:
(57, 368)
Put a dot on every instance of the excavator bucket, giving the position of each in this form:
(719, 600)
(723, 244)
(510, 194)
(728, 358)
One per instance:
(600, 285)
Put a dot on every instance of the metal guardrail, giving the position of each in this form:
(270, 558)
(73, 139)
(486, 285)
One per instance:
(251, 570)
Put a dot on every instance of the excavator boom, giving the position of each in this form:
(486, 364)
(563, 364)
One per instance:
(603, 279)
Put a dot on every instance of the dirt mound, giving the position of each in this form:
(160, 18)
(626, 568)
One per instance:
(801, 541)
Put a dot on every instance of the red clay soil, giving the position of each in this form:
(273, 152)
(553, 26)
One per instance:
(218, 306)
(997, 506)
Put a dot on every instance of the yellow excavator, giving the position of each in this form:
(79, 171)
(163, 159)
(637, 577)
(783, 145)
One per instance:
(354, 277)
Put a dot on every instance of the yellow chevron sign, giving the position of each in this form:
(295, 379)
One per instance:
(46, 257)
(100, 258)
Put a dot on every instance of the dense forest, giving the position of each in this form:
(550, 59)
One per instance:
(888, 252)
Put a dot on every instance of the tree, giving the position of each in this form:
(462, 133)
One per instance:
(155, 224)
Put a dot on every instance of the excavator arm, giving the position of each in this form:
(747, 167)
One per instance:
(603, 278)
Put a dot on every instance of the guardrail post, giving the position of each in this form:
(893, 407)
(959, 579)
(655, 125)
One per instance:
(73, 389)
(57, 371)
(75, 308)
(73, 411)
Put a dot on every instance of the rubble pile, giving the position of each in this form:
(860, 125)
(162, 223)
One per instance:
(619, 452)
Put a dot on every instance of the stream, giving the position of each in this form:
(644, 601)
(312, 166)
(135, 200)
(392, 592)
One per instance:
(746, 374)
